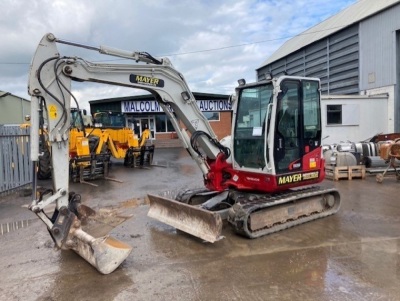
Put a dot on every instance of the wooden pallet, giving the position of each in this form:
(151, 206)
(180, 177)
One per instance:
(345, 172)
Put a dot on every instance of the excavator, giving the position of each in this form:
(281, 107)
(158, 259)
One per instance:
(261, 179)
(88, 157)
(121, 142)
(88, 160)
(92, 146)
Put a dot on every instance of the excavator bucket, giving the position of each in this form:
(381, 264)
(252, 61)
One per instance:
(104, 253)
(85, 231)
(191, 219)
(99, 223)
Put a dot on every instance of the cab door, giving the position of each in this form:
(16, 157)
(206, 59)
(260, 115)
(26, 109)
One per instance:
(297, 125)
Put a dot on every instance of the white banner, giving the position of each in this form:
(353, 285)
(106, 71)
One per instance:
(152, 106)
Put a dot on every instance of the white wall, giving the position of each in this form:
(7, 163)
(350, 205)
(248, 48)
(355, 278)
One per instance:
(362, 118)
(389, 91)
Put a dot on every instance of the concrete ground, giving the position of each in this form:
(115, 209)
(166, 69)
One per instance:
(353, 255)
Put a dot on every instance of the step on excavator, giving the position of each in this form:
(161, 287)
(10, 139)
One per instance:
(261, 179)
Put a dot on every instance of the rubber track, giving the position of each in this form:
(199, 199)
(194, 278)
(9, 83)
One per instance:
(241, 211)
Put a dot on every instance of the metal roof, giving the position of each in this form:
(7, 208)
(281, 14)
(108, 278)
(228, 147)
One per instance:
(4, 94)
(349, 16)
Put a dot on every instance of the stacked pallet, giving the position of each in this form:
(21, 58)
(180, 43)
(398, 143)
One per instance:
(345, 172)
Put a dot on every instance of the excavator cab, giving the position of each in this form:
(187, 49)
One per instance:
(109, 120)
(278, 135)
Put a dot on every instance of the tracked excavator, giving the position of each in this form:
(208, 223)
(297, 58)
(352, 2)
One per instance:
(121, 142)
(88, 161)
(261, 179)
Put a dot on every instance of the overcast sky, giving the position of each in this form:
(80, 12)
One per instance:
(212, 43)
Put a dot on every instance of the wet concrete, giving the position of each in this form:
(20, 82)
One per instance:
(353, 255)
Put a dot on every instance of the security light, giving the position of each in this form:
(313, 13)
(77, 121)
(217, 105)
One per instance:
(241, 82)
(268, 76)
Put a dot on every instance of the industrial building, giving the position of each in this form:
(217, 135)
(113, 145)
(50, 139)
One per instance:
(13, 108)
(355, 52)
(144, 111)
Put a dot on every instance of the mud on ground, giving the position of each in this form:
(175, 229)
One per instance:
(353, 255)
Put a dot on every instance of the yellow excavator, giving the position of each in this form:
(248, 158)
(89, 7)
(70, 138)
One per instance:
(261, 180)
(87, 160)
(121, 142)
(91, 146)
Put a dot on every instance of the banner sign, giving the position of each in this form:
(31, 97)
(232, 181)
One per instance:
(152, 106)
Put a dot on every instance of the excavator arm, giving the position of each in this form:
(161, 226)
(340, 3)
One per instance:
(158, 77)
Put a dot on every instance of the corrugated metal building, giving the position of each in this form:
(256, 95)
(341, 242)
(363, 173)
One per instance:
(356, 51)
(13, 108)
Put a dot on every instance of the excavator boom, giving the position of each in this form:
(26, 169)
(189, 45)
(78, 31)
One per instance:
(51, 92)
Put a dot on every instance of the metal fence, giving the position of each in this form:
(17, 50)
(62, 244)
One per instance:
(15, 163)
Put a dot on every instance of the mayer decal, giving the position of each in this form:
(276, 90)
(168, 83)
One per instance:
(297, 177)
(146, 80)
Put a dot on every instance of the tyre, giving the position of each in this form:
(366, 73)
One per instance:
(44, 164)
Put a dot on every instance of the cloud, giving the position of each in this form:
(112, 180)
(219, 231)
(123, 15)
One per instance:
(201, 38)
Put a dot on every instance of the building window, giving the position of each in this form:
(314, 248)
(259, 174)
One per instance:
(211, 116)
(163, 125)
(334, 114)
(343, 114)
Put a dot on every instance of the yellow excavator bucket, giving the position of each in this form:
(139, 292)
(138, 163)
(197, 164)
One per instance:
(194, 220)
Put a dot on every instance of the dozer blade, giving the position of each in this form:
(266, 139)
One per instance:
(194, 220)
(104, 253)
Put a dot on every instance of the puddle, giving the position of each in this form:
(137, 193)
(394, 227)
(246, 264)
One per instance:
(132, 203)
(164, 164)
(13, 226)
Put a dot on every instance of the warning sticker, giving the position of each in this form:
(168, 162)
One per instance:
(52, 111)
(313, 163)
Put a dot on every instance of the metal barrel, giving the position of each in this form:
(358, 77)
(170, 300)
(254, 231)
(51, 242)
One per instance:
(104, 253)
(194, 220)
